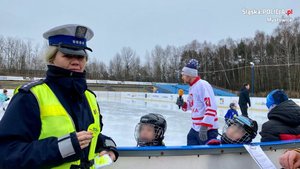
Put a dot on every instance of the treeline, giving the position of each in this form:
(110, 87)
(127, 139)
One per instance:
(20, 58)
(276, 59)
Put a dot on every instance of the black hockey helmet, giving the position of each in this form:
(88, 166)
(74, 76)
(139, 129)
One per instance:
(159, 125)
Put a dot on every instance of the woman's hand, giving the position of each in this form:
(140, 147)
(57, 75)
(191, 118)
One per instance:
(84, 138)
(110, 153)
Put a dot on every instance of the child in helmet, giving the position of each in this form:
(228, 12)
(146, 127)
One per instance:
(231, 112)
(239, 130)
(150, 130)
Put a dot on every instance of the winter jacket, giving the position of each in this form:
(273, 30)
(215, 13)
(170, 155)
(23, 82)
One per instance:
(230, 114)
(244, 98)
(20, 127)
(283, 124)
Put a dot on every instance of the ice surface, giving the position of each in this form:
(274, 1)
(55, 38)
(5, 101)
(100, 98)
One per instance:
(120, 117)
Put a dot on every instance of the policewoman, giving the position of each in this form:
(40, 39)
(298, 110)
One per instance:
(56, 122)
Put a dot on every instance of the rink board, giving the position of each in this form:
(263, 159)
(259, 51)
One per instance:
(195, 157)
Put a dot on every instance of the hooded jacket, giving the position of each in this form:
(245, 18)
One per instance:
(283, 124)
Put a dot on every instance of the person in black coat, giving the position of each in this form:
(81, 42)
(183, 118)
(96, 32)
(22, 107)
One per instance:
(284, 118)
(244, 99)
(21, 126)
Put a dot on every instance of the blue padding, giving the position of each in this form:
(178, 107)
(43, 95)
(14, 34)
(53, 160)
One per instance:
(165, 88)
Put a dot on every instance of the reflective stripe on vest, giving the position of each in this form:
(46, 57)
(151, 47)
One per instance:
(56, 122)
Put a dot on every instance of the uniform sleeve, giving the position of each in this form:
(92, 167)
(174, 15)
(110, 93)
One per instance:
(19, 132)
(106, 143)
(268, 133)
(208, 99)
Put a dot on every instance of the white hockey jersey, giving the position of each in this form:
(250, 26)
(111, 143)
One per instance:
(201, 101)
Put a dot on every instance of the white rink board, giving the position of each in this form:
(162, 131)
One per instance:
(223, 161)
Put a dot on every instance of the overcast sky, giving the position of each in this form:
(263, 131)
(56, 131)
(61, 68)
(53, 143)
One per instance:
(141, 24)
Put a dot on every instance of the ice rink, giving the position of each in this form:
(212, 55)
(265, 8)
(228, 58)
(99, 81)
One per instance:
(120, 116)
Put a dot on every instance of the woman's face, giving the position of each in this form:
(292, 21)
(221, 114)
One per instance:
(235, 132)
(70, 62)
(147, 132)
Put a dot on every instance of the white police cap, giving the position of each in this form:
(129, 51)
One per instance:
(70, 39)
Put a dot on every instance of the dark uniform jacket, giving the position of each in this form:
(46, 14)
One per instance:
(21, 124)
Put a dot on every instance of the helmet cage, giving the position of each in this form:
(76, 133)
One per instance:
(158, 135)
(246, 138)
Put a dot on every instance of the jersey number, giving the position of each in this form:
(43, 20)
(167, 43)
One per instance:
(207, 101)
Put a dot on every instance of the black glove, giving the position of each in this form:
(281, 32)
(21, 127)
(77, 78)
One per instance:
(7, 99)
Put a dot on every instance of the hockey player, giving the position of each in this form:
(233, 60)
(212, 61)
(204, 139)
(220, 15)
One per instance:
(239, 130)
(201, 101)
(231, 112)
(150, 130)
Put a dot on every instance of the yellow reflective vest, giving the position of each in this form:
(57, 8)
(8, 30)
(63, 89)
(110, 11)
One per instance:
(56, 122)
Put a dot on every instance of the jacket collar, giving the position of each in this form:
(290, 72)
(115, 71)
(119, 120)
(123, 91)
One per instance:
(55, 71)
(70, 83)
(195, 81)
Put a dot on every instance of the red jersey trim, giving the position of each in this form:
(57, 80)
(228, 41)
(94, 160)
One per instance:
(195, 81)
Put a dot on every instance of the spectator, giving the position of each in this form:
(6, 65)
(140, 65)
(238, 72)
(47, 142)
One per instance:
(3, 98)
(284, 118)
(244, 99)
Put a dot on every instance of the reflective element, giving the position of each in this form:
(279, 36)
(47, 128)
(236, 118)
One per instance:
(65, 146)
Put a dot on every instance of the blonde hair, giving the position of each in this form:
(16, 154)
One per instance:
(50, 53)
